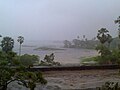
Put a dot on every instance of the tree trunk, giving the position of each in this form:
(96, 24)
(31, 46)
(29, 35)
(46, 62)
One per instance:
(19, 51)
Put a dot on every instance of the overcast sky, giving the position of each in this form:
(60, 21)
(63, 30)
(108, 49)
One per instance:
(57, 19)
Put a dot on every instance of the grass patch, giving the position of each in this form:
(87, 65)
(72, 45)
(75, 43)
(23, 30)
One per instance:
(89, 60)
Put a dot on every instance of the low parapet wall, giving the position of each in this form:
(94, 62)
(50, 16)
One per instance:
(71, 68)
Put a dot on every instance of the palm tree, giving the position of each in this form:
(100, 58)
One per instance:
(102, 35)
(20, 40)
(118, 22)
(7, 44)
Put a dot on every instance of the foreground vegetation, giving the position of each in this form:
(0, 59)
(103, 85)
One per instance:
(107, 55)
(13, 67)
(49, 61)
(109, 86)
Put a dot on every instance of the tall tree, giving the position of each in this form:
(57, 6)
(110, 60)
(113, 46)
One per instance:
(20, 40)
(7, 44)
(102, 35)
(118, 22)
(0, 40)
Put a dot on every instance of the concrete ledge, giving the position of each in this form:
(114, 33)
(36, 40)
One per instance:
(70, 68)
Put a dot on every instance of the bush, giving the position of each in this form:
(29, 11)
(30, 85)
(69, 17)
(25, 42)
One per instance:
(49, 61)
(109, 86)
(18, 73)
(108, 59)
(90, 60)
(28, 60)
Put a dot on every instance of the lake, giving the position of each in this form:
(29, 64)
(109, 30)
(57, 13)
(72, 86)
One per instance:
(67, 56)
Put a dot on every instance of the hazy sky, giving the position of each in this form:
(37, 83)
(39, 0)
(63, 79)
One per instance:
(57, 19)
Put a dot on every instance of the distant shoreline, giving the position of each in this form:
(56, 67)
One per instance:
(48, 48)
(28, 46)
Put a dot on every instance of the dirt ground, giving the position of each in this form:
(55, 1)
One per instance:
(81, 79)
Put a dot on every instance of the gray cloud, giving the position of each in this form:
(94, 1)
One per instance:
(57, 19)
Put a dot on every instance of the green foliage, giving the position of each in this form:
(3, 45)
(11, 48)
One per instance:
(109, 48)
(115, 57)
(8, 58)
(49, 61)
(104, 60)
(108, 55)
(7, 44)
(5, 76)
(20, 39)
(40, 78)
(90, 61)
(28, 60)
(18, 73)
(110, 58)
(12, 69)
(6, 72)
(32, 79)
(103, 50)
(109, 86)
(103, 36)
(118, 22)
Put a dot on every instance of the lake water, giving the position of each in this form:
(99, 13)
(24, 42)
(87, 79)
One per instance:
(68, 56)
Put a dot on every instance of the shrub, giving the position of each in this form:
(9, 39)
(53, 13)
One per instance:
(28, 60)
(49, 61)
(109, 86)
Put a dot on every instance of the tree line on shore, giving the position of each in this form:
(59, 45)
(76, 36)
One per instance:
(78, 43)
(85, 43)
